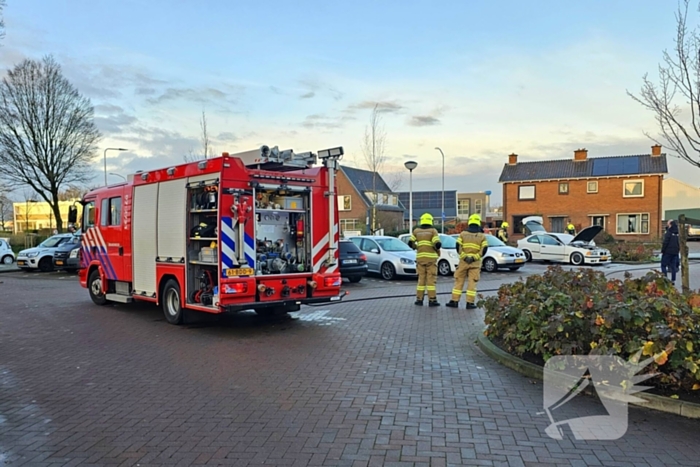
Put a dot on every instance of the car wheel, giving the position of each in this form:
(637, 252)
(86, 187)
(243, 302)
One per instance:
(355, 279)
(528, 255)
(7, 259)
(444, 268)
(172, 306)
(46, 265)
(95, 288)
(576, 258)
(388, 271)
(490, 265)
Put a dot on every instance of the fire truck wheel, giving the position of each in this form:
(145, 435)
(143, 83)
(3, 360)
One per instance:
(95, 288)
(172, 306)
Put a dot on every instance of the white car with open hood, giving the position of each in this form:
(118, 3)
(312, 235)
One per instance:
(579, 249)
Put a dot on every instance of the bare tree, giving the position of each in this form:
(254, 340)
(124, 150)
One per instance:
(373, 147)
(72, 192)
(6, 209)
(29, 199)
(47, 133)
(207, 149)
(679, 80)
(2, 20)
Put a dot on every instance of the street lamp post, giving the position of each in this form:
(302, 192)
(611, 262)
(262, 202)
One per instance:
(443, 191)
(410, 165)
(105, 159)
(117, 175)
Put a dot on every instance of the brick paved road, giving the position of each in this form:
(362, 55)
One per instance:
(368, 383)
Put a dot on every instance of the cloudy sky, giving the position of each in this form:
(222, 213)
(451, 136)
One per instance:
(478, 79)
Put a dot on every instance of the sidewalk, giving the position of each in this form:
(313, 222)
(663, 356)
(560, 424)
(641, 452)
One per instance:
(9, 268)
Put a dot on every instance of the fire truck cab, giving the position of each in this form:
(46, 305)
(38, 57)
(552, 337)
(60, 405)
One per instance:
(251, 231)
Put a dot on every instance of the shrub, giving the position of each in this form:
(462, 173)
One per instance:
(580, 312)
(604, 238)
(632, 251)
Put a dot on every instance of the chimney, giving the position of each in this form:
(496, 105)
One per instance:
(580, 154)
(656, 150)
(512, 159)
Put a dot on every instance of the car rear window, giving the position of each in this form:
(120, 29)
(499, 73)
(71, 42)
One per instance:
(348, 247)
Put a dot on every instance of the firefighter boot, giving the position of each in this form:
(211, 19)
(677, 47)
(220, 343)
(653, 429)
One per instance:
(433, 303)
(471, 306)
(418, 302)
(452, 304)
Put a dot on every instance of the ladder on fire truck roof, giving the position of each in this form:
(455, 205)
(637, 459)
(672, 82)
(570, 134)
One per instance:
(273, 159)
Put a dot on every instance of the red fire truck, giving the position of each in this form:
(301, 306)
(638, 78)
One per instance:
(251, 231)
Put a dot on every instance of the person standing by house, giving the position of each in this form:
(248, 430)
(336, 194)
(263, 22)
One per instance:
(670, 250)
(570, 229)
(503, 232)
(471, 246)
(426, 241)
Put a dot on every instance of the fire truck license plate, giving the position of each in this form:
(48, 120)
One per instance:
(239, 272)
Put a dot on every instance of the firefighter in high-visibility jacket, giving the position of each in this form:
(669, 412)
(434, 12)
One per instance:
(471, 246)
(426, 241)
(503, 232)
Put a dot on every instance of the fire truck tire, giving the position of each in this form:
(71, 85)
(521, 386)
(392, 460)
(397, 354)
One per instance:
(95, 288)
(172, 304)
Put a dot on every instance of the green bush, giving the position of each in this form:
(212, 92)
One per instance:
(632, 251)
(580, 312)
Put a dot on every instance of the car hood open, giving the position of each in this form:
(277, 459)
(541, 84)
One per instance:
(587, 234)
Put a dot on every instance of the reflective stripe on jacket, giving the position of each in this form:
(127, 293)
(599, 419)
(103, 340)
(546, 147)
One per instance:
(425, 242)
(471, 244)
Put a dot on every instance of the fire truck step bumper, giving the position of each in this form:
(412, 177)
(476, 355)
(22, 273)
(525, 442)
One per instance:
(285, 303)
(115, 297)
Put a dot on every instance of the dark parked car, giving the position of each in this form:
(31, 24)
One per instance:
(353, 263)
(66, 256)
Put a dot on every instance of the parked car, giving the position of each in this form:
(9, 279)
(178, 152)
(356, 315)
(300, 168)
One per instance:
(66, 257)
(41, 256)
(693, 232)
(353, 263)
(449, 259)
(579, 250)
(500, 256)
(387, 256)
(7, 256)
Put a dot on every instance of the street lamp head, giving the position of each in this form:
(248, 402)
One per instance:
(410, 165)
(122, 149)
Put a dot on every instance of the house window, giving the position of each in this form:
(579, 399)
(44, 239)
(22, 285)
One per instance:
(111, 212)
(477, 206)
(633, 189)
(526, 192)
(371, 196)
(592, 187)
(564, 188)
(381, 198)
(393, 200)
(463, 207)
(634, 224)
(557, 224)
(349, 224)
(344, 203)
(598, 220)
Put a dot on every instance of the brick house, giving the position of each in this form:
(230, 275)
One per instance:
(355, 195)
(621, 193)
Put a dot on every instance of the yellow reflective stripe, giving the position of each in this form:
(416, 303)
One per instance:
(436, 239)
(484, 243)
(471, 245)
(430, 287)
(459, 240)
(420, 287)
(412, 238)
(424, 243)
(427, 255)
(456, 291)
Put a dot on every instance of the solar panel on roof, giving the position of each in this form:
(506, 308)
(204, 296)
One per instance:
(615, 167)
(630, 165)
(600, 167)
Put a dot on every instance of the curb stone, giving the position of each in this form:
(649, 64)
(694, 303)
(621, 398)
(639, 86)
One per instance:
(651, 401)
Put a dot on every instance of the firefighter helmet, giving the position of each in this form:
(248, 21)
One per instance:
(426, 219)
(504, 224)
(475, 219)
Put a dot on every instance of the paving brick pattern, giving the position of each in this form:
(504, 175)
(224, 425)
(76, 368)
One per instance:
(370, 383)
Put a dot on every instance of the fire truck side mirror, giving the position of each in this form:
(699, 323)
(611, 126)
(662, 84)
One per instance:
(72, 215)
